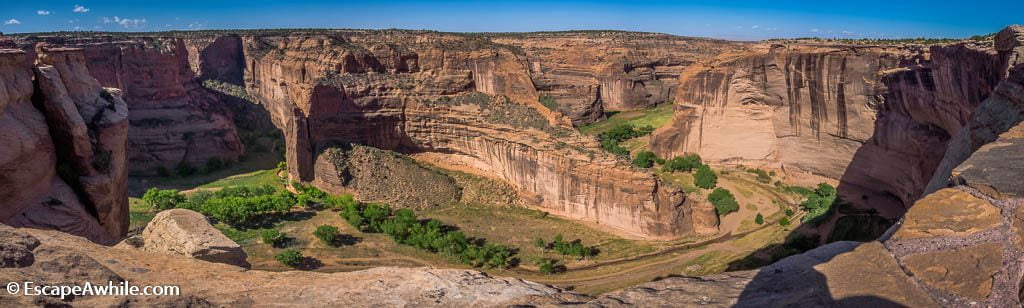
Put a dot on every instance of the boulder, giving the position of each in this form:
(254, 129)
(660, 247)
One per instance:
(187, 233)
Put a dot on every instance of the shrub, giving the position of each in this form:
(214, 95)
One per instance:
(242, 205)
(645, 159)
(283, 166)
(762, 176)
(789, 212)
(309, 190)
(573, 248)
(289, 257)
(724, 201)
(163, 199)
(684, 163)
(539, 243)
(784, 221)
(548, 266)
(340, 202)
(759, 219)
(273, 237)
(705, 178)
(549, 102)
(327, 234)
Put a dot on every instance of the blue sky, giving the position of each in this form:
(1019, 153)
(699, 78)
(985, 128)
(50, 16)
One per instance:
(720, 19)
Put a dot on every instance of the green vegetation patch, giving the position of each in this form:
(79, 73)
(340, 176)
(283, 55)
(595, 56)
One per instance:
(655, 117)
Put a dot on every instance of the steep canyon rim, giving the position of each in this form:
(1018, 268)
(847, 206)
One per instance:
(888, 122)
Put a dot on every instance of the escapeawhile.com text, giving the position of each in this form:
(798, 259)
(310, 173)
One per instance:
(111, 288)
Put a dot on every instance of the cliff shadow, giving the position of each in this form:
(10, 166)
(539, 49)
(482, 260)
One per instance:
(795, 282)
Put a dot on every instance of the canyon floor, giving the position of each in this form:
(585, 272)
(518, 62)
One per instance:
(621, 261)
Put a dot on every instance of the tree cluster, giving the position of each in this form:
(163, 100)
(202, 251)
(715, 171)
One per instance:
(646, 159)
(273, 237)
(819, 203)
(684, 163)
(705, 178)
(724, 201)
(405, 228)
(610, 140)
(567, 248)
(237, 206)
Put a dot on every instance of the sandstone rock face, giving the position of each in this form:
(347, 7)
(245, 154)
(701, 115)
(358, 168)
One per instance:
(174, 120)
(81, 130)
(352, 87)
(1010, 44)
(187, 233)
(590, 72)
(95, 148)
(383, 176)
(956, 247)
(58, 257)
(876, 118)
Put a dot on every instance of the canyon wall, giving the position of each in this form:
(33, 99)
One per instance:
(960, 245)
(466, 98)
(875, 117)
(590, 72)
(175, 122)
(64, 155)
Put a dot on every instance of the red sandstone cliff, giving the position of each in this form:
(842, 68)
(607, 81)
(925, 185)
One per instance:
(64, 163)
(413, 92)
(876, 117)
(589, 72)
(174, 120)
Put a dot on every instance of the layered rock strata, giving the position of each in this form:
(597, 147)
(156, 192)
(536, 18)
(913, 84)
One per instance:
(176, 123)
(589, 72)
(403, 92)
(64, 159)
(960, 246)
(877, 118)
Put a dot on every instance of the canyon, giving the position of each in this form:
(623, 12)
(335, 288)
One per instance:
(927, 136)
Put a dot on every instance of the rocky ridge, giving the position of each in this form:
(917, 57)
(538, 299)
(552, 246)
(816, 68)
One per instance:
(65, 147)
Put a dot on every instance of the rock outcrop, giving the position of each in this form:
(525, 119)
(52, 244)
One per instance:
(187, 233)
(53, 258)
(64, 163)
(961, 245)
(176, 123)
(467, 98)
(590, 72)
(387, 177)
(875, 117)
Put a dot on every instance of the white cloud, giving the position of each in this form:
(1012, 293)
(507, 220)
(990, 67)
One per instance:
(12, 22)
(78, 28)
(43, 12)
(125, 22)
(80, 9)
(815, 30)
(755, 27)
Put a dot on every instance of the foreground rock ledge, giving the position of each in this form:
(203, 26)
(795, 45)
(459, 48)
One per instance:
(62, 258)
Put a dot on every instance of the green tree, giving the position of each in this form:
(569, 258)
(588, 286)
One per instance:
(273, 237)
(759, 219)
(724, 201)
(547, 266)
(705, 178)
(163, 199)
(327, 234)
(645, 159)
(539, 243)
(289, 257)
(784, 221)
(684, 163)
